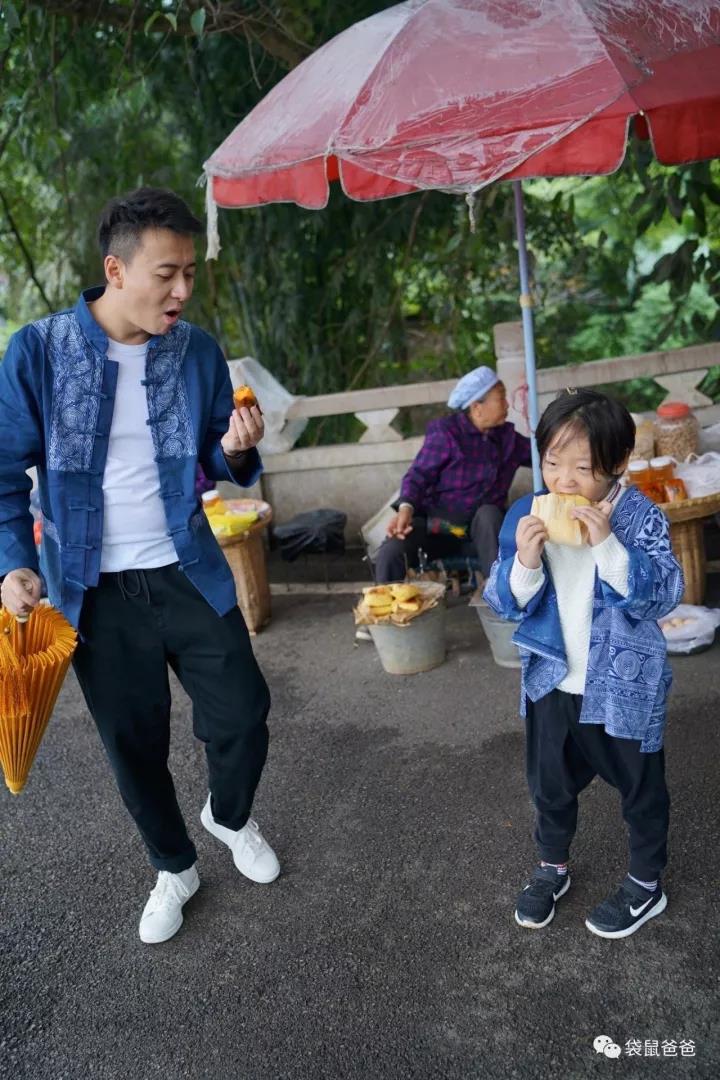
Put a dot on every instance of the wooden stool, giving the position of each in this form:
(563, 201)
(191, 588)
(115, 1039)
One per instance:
(246, 557)
(688, 544)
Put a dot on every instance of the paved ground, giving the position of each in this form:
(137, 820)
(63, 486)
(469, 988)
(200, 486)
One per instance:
(387, 948)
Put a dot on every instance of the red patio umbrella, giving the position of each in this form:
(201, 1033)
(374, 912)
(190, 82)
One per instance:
(455, 94)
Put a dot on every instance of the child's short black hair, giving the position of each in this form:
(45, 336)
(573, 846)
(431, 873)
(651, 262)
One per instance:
(125, 218)
(608, 425)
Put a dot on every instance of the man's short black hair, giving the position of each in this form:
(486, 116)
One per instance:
(125, 218)
(608, 425)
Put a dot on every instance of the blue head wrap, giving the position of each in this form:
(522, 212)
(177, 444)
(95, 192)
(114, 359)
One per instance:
(472, 387)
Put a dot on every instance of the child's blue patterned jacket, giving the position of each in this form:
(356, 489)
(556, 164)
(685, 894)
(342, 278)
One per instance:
(628, 677)
(57, 389)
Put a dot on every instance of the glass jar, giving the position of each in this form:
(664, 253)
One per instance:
(644, 447)
(675, 490)
(640, 474)
(670, 487)
(676, 430)
(212, 502)
(661, 469)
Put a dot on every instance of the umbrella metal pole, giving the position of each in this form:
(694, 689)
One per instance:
(528, 332)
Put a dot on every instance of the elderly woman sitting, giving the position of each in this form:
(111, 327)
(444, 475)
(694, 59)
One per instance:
(456, 489)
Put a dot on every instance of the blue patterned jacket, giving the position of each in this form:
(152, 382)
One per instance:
(57, 389)
(628, 677)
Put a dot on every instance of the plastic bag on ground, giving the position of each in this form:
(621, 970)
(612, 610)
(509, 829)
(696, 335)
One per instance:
(313, 531)
(281, 434)
(690, 628)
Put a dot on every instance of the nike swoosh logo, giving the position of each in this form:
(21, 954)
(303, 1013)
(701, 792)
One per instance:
(638, 911)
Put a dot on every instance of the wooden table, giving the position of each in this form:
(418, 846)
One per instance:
(686, 536)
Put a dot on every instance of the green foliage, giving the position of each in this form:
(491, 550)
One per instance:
(98, 97)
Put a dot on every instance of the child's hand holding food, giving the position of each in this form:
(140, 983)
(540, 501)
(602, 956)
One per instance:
(530, 538)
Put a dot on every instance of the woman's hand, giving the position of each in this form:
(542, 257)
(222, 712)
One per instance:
(245, 431)
(401, 525)
(596, 519)
(530, 538)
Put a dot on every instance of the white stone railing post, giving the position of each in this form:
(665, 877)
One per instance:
(377, 423)
(683, 387)
(510, 366)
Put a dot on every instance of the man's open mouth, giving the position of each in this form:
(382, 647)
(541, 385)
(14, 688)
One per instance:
(172, 315)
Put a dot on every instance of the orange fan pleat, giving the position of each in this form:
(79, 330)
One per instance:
(34, 659)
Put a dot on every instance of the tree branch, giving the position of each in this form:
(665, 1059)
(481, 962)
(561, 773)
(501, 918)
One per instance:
(58, 127)
(26, 254)
(667, 325)
(227, 18)
(42, 77)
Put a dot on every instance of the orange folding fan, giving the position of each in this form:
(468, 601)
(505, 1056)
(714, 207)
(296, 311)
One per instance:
(34, 658)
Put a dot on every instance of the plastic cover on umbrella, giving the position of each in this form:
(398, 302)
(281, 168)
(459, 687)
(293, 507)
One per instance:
(454, 94)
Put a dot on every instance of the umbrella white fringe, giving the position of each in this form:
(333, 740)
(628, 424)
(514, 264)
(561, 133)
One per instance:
(211, 210)
(470, 199)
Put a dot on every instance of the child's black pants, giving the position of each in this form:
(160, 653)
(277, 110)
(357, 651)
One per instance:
(563, 756)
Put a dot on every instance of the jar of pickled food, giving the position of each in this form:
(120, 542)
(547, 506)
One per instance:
(675, 490)
(212, 502)
(668, 486)
(661, 469)
(644, 447)
(639, 473)
(671, 487)
(676, 430)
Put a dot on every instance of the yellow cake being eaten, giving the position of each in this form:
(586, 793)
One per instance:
(554, 512)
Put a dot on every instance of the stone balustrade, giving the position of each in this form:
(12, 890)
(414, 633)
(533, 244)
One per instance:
(359, 478)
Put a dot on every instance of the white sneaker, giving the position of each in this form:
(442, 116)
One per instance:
(163, 916)
(252, 854)
(363, 634)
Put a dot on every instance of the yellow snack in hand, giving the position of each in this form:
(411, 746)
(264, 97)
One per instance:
(554, 511)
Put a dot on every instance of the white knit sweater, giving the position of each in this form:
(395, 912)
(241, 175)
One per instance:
(573, 574)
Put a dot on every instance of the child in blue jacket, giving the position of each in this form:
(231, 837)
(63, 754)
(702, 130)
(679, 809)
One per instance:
(594, 672)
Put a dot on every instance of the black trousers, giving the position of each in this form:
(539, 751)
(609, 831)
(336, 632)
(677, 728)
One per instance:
(395, 556)
(133, 625)
(563, 756)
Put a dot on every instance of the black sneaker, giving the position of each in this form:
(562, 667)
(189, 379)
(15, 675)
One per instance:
(626, 910)
(536, 903)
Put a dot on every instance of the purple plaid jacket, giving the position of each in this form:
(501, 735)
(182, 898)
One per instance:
(460, 468)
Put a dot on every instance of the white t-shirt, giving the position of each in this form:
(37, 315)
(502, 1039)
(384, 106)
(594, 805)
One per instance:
(135, 531)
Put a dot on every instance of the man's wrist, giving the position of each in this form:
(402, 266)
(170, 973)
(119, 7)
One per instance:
(234, 455)
(404, 505)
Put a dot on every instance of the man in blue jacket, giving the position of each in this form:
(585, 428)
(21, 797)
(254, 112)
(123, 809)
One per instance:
(115, 402)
